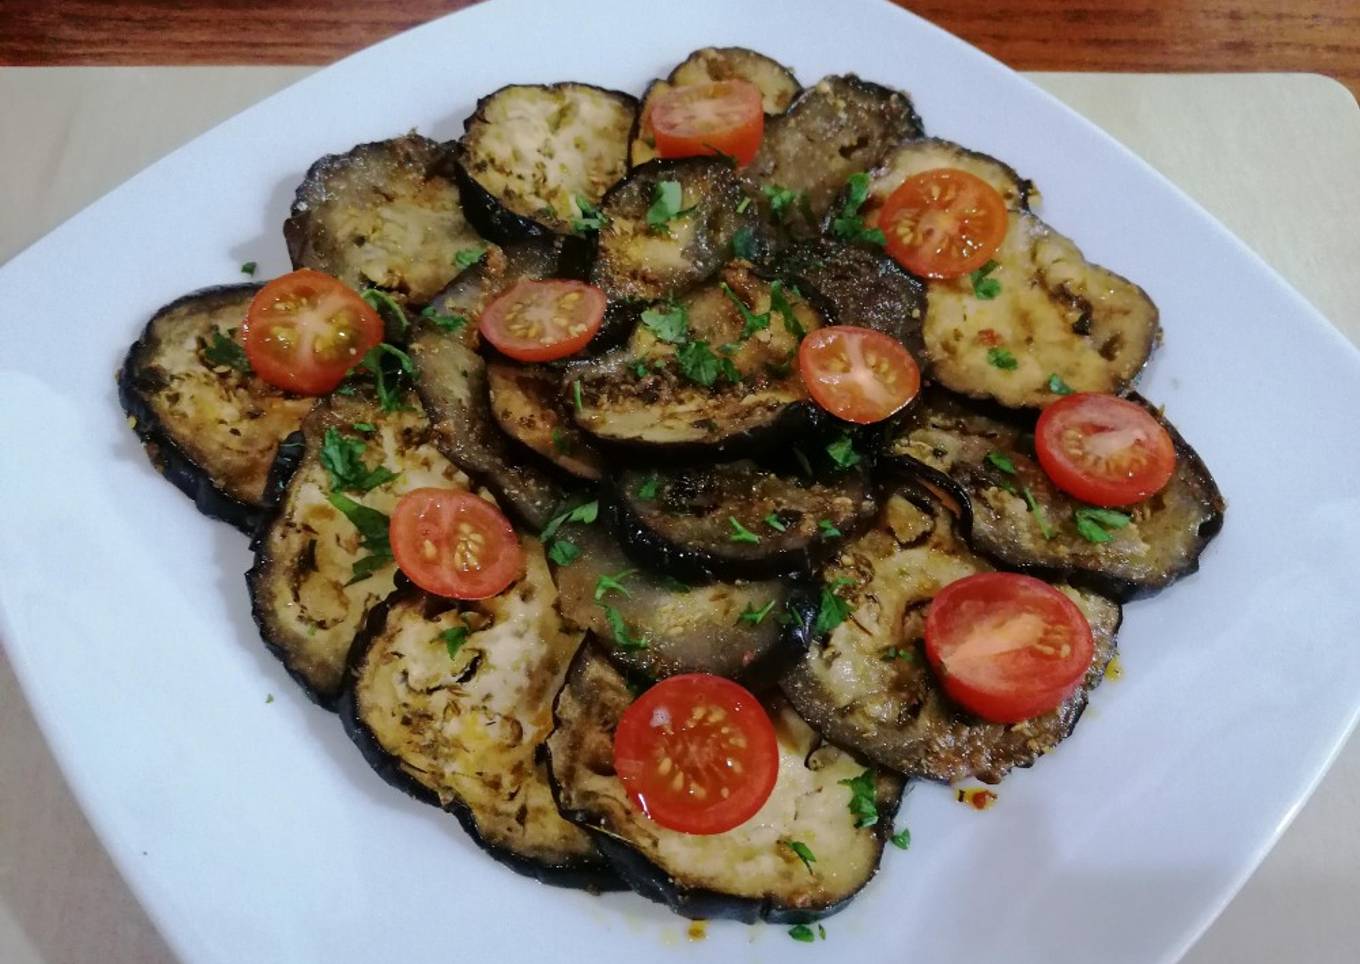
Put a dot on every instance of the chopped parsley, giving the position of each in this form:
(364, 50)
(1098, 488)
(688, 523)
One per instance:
(560, 441)
(1002, 461)
(753, 322)
(342, 456)
(453, 639)
(1002, 358)
(842, 452)
(591, 219)
(832, 610)
(1057, 386)
(779, 302)
(804, 853)
(563, 552)
(226, 350)
(863, 798)
(249, 268)
(449, 323)
(848, 225)
(467, 257)
(648, 488)
(585, 513)
(669, 323)
(391, 368)
(623, 637)
(744, 242)
(641, 370)
(607, 584)
(1095, 525)
(828, 528)
(743, 204)
(666, 198)
(904, 653)
(372, 526)
(392, 314)
(773, 521)
(902, 839)
(1039, 515)
(698, 363)
(753, 615)
(368, 428)
(801, 932)
(740, 533)
(780, 199)
(985, 287)
(576, 395)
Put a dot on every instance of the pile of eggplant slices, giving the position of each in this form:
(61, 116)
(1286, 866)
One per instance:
(658, 486)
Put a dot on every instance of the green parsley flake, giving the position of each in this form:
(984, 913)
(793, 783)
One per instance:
(648, 488)
(669, 324)
(848, 226)
(1057, 386)
(863, 799)
(904, 653)
(984, 287)
(391, 369)
(225, 350)
(781, 198)
(1095, 525)
(449, 323)
(753, 322)
(1002, 358)
(743, 204)
(842, 452)
(454, 639)
(804, 853)
(467, 257)
(801, 932)
(753, 615)
(902, 839)
(1002, 461)
(623, 637)
(586, 513)
(591, 218)
(392, 313)
(560, 441)
(373, 527)
(343, 459)
(698, 363)
(744, 243)
(368, 428)
(563, 552)
(773, 521)
(576, 395)
(740, 533)
(249, 268)
(828, 528)
(779, 302)
(1039, 515)
(607, 584)
(832, 610)
(666, 199)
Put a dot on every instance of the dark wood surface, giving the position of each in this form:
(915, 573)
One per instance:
(1108, 35)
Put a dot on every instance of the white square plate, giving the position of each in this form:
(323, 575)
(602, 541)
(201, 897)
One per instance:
(254, 832)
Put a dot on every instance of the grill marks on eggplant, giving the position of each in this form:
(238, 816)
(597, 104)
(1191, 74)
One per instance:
(688, 628)
(530, 405)
(453, 388)
(777, 86)
(838, 127)
(211, 429)
(383, 214)
(892, 710)
(529, 151)
(682, 520)
(638, 262)
(855, 285)
(746, 873)
(463, 732)
(639, 397)
(1056, 313)
(1162, 542)
(300, 586)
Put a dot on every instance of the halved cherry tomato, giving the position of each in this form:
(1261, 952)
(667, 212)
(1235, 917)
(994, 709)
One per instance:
(724, 116)
(453, 543)
(306, 330)
(1005, 646)
(943, 223)
(536, 321)
(858, 374)
(697, 753)
(1104, 450)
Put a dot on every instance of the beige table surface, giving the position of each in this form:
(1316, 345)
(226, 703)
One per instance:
(1275, 157)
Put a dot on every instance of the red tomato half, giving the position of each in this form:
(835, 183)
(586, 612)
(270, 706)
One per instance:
(1104, 450)
(724, 116)
(943, 223)
(536, 321)
(453, 543)
(1005, 646)
(306, 330)
(697, 753)
(858, 374)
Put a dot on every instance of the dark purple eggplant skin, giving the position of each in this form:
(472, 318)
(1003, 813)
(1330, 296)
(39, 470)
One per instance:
(650, 549)
(583, 875)
(179, 470)
(1112, 587)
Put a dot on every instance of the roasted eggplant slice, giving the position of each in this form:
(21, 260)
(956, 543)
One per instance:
(1162, 541)
(867, 685)
(726, 628)
(207, 423)
(462, 731)
(453, 388)
(310, 586)
(928, 153)
(530, 404)
(840, 126)
(746, 873)
(855, 285)
(1055, 314)
(691, 398)
(738, 520)
(641, 259)
(383, 215)
(777, 86)
(529, 151)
